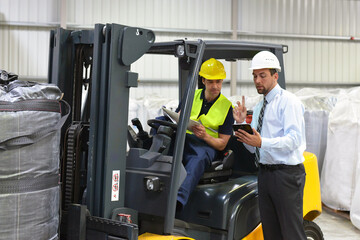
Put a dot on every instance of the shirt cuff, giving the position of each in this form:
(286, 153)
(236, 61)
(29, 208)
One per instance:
(244, 122)
(265, 143)
(249, 148)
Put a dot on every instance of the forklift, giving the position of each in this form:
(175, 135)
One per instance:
(112, 192)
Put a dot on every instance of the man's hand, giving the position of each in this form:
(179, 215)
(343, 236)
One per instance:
(217, 143)
(239, 112)
(199, 131)
(250, 139)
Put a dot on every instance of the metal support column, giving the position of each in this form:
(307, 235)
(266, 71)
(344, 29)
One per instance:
(234, 27)
(181, 133)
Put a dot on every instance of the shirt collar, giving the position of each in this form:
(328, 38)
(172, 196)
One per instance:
(270, 96)
(202, 96)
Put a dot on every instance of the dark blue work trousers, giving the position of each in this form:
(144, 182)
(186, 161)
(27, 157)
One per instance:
(197, 156)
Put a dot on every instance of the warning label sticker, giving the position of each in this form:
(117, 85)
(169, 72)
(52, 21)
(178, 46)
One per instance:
(115, 185)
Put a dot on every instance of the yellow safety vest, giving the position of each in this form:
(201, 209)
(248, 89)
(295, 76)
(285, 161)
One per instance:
(216, 115)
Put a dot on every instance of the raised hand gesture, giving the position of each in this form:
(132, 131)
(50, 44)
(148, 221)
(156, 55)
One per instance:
(239, 111)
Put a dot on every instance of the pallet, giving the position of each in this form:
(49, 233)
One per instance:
(344, 214)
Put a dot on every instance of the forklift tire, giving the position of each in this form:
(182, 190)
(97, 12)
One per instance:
(312, 231)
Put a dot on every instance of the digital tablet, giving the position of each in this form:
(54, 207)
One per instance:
(244, 126)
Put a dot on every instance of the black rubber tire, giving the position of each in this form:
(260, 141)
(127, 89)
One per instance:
(312, 231)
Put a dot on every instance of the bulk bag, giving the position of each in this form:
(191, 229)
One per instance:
(340, 167)
(30, 119)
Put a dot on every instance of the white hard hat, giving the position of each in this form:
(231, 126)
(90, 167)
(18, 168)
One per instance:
(265, 59)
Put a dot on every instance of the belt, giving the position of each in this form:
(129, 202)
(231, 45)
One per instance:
(273, 167)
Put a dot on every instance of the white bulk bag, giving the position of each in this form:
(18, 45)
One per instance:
(338, 177)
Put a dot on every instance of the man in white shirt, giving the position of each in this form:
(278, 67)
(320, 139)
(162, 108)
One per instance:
(278, 142)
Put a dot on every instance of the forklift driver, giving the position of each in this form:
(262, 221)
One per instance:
(214, 111)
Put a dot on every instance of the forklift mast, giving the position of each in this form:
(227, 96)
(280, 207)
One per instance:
(109, 50)
(115, 48)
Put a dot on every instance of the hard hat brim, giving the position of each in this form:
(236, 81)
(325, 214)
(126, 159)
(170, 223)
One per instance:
(209, 77)
(277, 69)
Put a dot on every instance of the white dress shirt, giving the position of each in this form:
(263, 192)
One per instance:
(283, 129)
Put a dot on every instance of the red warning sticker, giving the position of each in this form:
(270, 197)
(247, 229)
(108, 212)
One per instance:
(115, 185)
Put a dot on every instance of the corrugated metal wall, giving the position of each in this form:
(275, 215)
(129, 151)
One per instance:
(186, 14)
(317, 32)
(24, 35)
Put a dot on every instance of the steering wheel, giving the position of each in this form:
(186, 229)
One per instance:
(155, 123)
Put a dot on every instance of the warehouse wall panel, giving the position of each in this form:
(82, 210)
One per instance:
(4, 49)
(184, 14)
(307, 17)
(318, 61)
(317, 32)
(34, 11)
(23, 45)
(24, 51)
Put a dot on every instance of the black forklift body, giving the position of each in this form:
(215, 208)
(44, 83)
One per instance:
(113, 182)
(227, 210)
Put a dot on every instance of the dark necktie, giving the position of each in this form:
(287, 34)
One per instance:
(258, 129)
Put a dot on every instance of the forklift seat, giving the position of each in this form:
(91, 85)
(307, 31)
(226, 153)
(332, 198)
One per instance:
(221, 168)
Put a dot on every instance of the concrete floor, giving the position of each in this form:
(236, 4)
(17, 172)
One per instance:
(337, 225)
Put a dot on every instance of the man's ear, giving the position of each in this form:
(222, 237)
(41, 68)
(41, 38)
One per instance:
(203, 80)
(276, 75)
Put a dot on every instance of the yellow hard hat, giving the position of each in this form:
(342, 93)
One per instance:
(212, 69)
